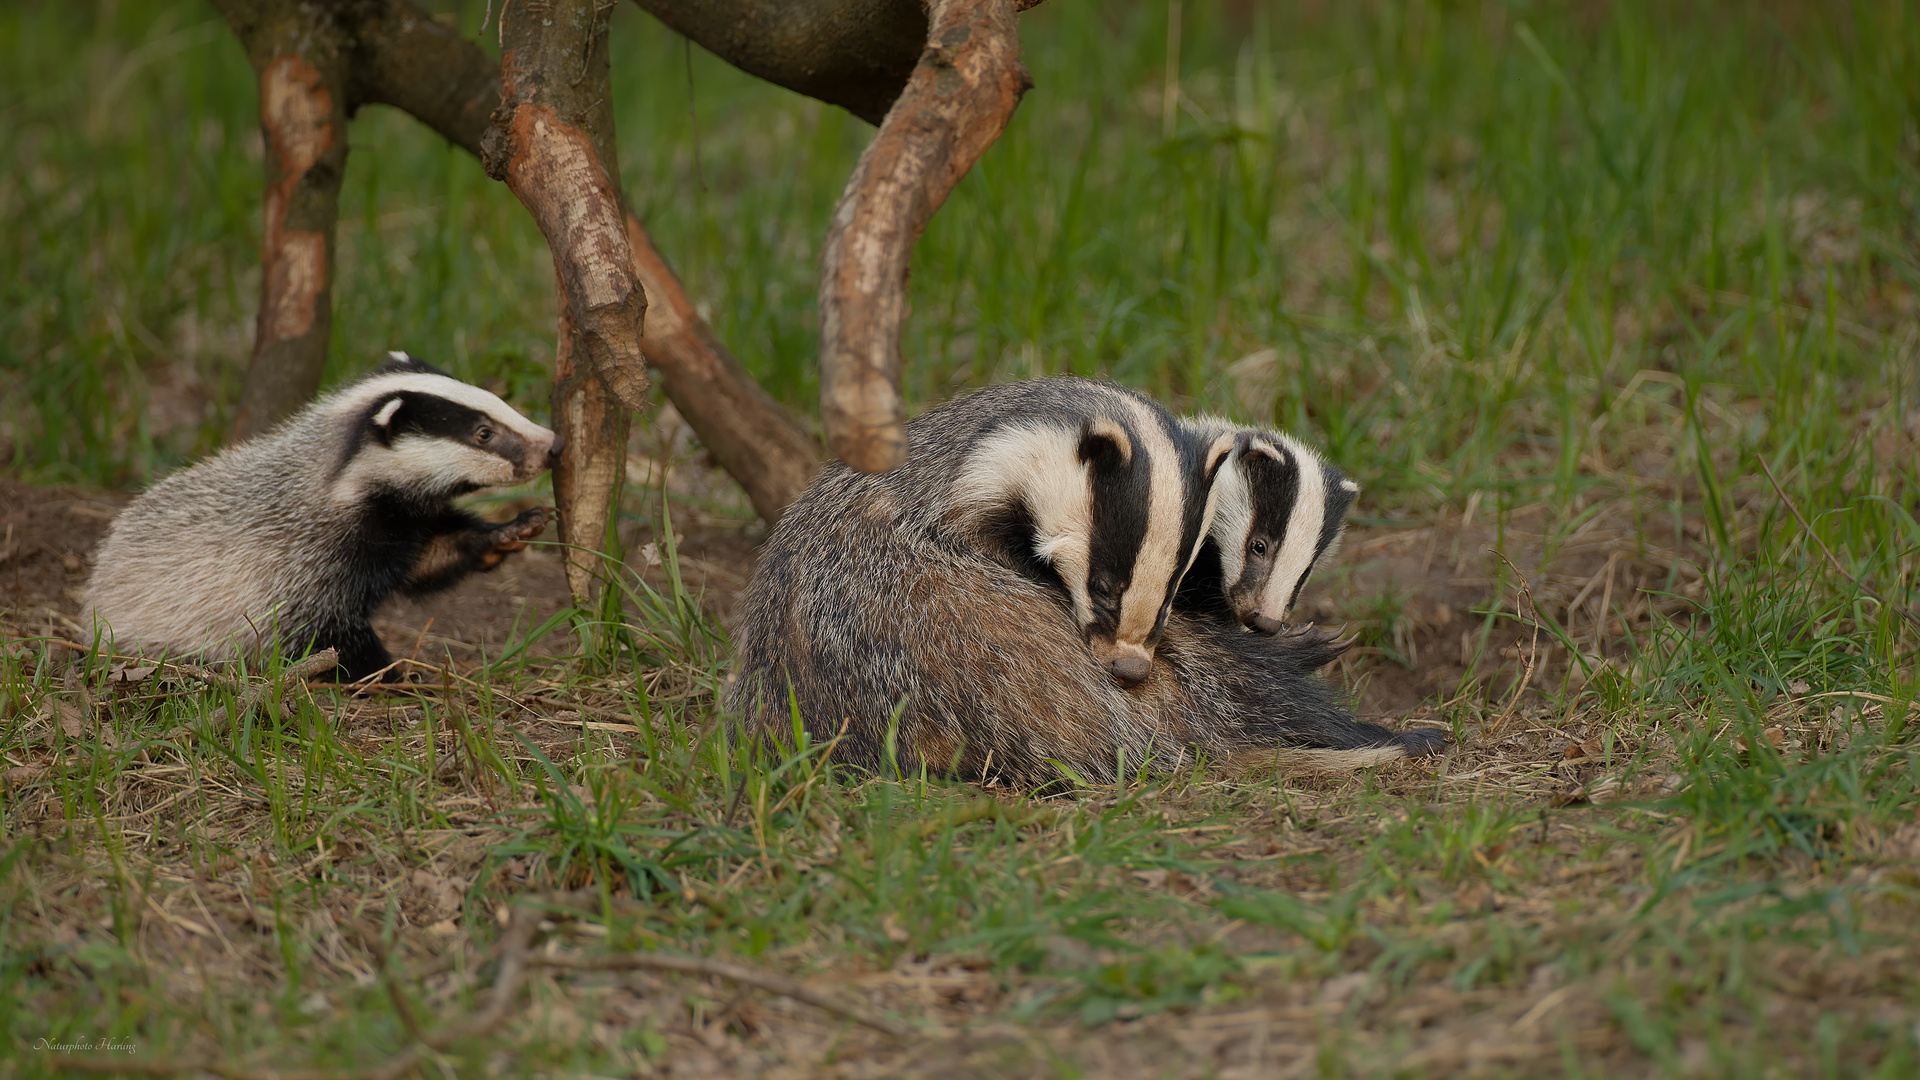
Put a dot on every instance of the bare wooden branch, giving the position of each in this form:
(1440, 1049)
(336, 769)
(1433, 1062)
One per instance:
(410, 61)
(299, 54)
(856, 54)
(750, 435)
(552, 141)
(962, 93)
(589, 474)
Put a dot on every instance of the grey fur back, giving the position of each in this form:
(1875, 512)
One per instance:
(193, 564)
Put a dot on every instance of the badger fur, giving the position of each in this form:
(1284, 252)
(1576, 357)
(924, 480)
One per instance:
(890, 616)
(292, 540)
(1280, 511)
(1086, 486)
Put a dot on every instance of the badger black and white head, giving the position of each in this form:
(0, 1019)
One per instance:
(1281, 510)
(416, 433)
(297, 536)
(1109, 495)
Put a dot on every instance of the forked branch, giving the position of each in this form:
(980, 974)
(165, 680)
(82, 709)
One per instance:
(959, 99)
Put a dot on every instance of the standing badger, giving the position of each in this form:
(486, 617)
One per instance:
(1280, 511)
(293, 539)
(945, 593)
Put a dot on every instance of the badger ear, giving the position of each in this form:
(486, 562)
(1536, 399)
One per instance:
(380, 421)
(1105, 444)
(1217, 455)
(1254, 447)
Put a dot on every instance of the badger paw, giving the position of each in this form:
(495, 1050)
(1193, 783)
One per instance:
(509, 537)
(513, 535)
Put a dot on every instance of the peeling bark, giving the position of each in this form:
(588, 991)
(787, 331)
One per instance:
(551, 139)
(299, 54)
(588, 476)
(448, 83)
(748, 432)
(963, 92)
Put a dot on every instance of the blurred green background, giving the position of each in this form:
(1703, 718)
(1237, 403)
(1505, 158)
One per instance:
(1490, 247)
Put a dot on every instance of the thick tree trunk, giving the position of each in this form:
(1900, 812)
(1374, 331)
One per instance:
(552, 141)
(962, 93)
(299, 53)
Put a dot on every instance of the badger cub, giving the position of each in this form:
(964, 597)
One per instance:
(291, 541)
(1280, 512)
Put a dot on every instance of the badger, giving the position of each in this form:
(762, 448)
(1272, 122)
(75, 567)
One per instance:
(928, 617)
(290, 541)
(1280, 511)
(1087, 486)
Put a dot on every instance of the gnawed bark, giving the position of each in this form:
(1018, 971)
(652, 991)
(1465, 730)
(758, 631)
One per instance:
(592, 467)
(552, 141)
(748, 432)
(299, 54)
(963, 91)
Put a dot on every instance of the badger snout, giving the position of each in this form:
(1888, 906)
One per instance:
(554, 451)
(1129, 663)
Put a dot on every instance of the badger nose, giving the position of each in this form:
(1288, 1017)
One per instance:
(1129, 669)
(1264, 624)
(553, 452)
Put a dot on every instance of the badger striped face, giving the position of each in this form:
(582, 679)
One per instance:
(1281, 509)
(418, 432)
(1116, 508)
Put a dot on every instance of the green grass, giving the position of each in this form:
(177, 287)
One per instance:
(1574, 271)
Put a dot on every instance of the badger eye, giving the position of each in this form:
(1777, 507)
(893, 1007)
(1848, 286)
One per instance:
(484, 435)
(1258, 547)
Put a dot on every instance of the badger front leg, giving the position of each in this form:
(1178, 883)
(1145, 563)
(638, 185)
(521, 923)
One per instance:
(462, 544)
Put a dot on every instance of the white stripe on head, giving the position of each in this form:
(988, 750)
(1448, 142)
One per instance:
(1302, 539)
(1039, 464)
(1160, 560)
(357, 396)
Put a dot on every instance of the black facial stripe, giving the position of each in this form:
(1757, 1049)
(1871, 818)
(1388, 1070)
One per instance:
(1274, 487)
(436, 417)
(1121, 504)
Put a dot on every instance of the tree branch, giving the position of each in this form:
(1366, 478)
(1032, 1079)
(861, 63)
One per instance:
(299, 54)
(446, 81)
(962, 93)
(750, 435)
(857, 54)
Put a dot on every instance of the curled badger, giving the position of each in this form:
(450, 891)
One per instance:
(1004, 604)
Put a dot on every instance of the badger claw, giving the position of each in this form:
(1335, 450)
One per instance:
(513, 535)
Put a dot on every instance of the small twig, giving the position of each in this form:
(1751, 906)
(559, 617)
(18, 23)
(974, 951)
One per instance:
(735, 973)
(1828, 552)
(1533, 650)
(256, 692)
